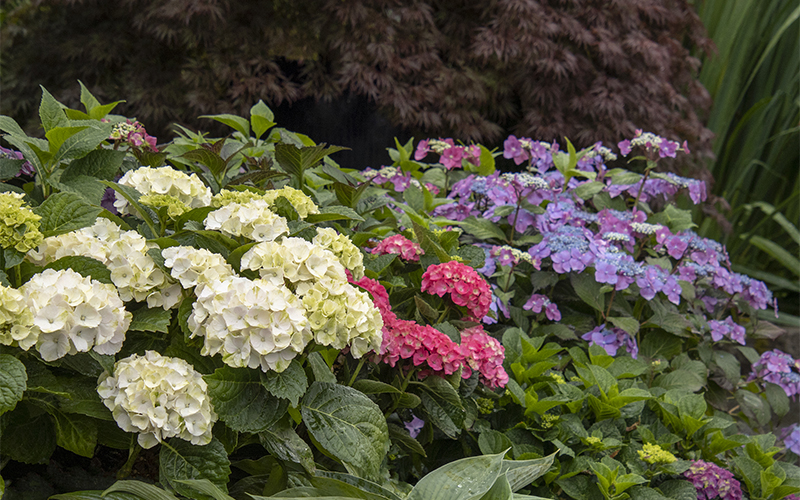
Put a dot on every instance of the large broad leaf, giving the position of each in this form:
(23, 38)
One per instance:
(65, 212)
(33, 439)
(482, 228)
(289, 384)
(348, 425)
(51, 112)
(235, 122)
(588, 289)
(85, 266)
(139, 490)
(150, 320)
(96, 495)
(281, 440)
(521, 473)
(12, 382)
(100, 164)
(83, 142)
(75, 433)
(180, 460)
(465, 479)
(241, 401)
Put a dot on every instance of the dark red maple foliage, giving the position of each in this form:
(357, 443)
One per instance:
(586, 69)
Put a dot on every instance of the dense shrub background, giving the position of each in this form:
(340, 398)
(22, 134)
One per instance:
(587, 70)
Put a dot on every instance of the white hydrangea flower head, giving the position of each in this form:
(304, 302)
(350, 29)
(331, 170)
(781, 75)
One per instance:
(345, 319)
(16, 319)
(301, 202)
(133, 271)
(297, 261)
(252, 323)
(90, 242)
(193, 266)
(158, 397)
(73, 314)
(348, 254)
(186, 188)
(253, 220)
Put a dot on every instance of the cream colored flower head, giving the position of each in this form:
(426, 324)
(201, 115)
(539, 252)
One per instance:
(186, 188)
(16, 319)
(73, 314)
(193, 266)
(348, 254)
(253, 220)
(158, 397)
(250, 323)
(299, 200)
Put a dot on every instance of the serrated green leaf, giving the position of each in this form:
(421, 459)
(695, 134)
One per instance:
(33, 439)
(289, 384)
(85, 266)
(150, 320)
(678, 489)
(101, 164)
(281, 440)
(368, 386)
(65, 212)
(481, 228)
(215, 163)
(589, 189)
(51, 112)
(492, 442)
(181, 460)
(660, 345)
(9, 167)
(400, 437)
(628, 324)
(235, 122)
(13, 382)
(588, 290)
(241, 401)
(348, 425)
(76, 433)
(83, 142)
(334, 212)
(320, 369)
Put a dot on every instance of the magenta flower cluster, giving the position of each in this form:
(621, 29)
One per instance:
(450, 154)
(779, 368)
(485, 355)
(462, 283)
(399, 245)
(712, 481)
(403, 339)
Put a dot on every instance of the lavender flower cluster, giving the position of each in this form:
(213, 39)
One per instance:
(779, 368)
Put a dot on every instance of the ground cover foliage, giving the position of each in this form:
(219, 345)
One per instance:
(239, 317)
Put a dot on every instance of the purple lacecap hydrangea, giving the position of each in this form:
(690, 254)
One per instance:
(415, 426)
(537, 302)
(611, 339)
(727, 328)
(712, 481)
(25, 169)
(779, 368)
(791, 438)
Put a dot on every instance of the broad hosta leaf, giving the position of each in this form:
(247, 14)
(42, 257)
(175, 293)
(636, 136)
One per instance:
(521, 473)
(95, 495)
(348, 425)
(150, 320)
(281, 440)
(139, 490)
(85, 266)
(289, 384)
(363, 484)
(500, 490)
(180, 460)
(205, 487)
(465, 479)
(75, 433)
(65, 212)
(241, 401)
(12, 382)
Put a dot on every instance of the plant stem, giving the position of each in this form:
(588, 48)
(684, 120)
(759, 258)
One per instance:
(358, 369)
(133, 454)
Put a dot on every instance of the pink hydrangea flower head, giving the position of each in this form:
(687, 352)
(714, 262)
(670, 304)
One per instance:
(400, 245)
(422, 345)
(483, 354)
(465, 286)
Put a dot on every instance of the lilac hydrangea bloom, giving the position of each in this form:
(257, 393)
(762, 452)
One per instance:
(727, 328)
(792, 438)
(415, 426)
(611, 339)
(537, 302)
(712, 481)
(778, 368)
